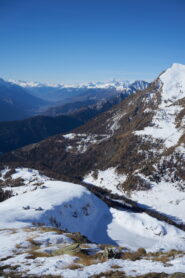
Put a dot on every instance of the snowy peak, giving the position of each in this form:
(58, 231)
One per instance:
(173, 83)
(167, 123)
(117, 84)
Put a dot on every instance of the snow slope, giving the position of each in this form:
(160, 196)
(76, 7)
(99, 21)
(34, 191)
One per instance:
(173, 82)
(16, 247)
(172, 87)
(72, 207)
(164, 197)
(108, 179)
(66, 205)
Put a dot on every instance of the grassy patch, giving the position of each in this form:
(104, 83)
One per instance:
(51, 229)
(115, 266)
(36, 254)
(134, 256)
(33, 242)
(78, 238)
(165, 257)
(110, 274)
(74, 266)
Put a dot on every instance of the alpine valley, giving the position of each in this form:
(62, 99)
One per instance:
(106, 199)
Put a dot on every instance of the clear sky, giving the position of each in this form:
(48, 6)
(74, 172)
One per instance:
(83, 40)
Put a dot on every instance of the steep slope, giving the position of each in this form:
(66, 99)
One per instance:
(16, 103)
(139, 143)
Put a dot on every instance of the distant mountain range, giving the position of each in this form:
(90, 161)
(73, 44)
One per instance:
(78, 92)
(16, 134)
(94, 96)
(20, 100)
(16, 103)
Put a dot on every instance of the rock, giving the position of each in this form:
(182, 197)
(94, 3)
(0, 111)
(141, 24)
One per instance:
(70, 249)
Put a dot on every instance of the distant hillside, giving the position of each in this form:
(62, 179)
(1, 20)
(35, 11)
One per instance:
(20, 133)
(16, 134)
(16, 103)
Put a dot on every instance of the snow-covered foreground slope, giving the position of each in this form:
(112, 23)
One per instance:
(30, 247)
(65, 205)
(72, 207)
(31, 251)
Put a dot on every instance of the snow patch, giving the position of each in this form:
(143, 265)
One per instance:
(81, 142)
(108, 179)
(113, 123)
(164, 197)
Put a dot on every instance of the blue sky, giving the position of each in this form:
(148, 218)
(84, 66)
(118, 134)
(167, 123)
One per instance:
(84, 40)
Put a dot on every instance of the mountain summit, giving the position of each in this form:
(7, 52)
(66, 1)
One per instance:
(173, 80)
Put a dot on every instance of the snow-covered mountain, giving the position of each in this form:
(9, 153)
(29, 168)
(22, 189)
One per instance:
(119, 84)
(82, 91)
(127, 184)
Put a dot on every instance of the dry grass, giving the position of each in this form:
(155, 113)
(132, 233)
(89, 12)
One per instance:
(110, 274)
(51, 229)
(74, 266)
(84, 246)
(36, 254)
(18, 246)
(32, 241)
(78, 238)
(34, 250)
(153, 275)
(120, 274)
(86, 260)
(165, 257)
(134, 256)
(115, 266)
